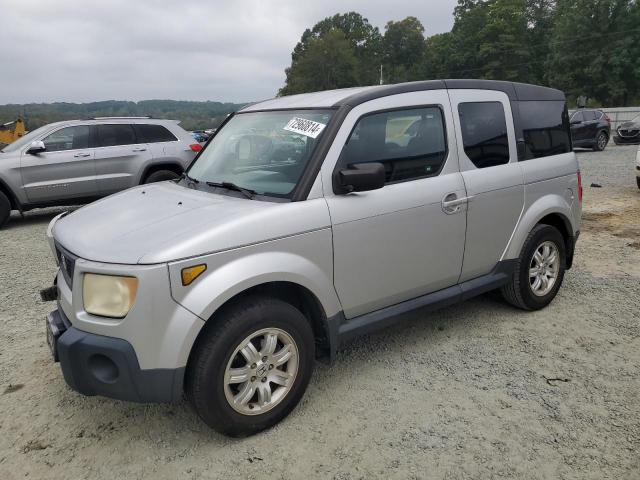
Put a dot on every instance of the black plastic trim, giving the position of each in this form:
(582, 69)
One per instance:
(98, 365)
(515, 91)
(341, 329)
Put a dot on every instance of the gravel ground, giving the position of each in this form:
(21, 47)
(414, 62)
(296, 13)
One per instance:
(478, 390)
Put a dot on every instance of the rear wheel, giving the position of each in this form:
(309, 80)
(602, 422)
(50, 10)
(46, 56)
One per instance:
(252, 367)
(161, 176)
(601, 142)
(539, 271)
(5, 209)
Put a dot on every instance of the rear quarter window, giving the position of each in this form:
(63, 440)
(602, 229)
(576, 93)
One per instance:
(150, 133)
(545, 128)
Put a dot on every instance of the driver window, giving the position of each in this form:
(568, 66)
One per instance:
(409, 143)
(69, 138)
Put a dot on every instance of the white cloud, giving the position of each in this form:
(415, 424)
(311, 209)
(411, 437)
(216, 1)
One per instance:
(84, 50)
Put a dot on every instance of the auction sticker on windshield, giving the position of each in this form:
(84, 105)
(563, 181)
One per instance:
(304, 127)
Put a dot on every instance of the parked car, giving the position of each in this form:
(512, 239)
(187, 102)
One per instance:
(628, 132)
(228, 284)
(200, 136)
(77, 161)
(590, 128)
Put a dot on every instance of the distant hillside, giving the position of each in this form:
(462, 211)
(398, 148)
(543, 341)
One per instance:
(193, 115)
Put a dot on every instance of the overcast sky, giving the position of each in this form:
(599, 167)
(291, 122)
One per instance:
(87, 50)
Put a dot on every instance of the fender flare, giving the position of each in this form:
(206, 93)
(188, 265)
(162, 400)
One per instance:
(547, 205)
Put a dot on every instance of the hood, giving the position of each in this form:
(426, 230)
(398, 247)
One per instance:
(629, 126)
(165, 221)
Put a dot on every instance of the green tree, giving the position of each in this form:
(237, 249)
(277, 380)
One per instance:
(594, 50)
(404, 50)
(328, 62)
(364, 44)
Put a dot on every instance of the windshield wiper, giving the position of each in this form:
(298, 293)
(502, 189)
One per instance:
(185, 175)
(247, 192)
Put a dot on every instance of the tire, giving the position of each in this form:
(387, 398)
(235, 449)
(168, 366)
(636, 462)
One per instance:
(601, 142)
(219, 349)
(160, 176)
(519, 291)
(638, 181)
(5, 209)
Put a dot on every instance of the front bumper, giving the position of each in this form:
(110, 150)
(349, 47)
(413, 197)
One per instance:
(100, 365)
(620, 140)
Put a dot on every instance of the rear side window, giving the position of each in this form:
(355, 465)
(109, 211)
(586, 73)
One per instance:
(118, 134)
(409, 143)
(148, 133)
(577, 117)
(69, 138)
(590, 115)
(545, 127)
(484, 133)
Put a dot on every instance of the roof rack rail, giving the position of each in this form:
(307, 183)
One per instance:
(116, 118)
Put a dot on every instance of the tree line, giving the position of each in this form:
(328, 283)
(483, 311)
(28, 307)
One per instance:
(193, 115)
(583, 47)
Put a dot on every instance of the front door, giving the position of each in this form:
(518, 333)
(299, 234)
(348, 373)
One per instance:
(492, 176)
(65, 170)
(407, 238)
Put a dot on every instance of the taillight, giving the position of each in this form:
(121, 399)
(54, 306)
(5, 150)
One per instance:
(195, 147)
(579, 186)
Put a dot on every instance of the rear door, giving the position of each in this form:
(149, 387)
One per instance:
(120, 157)
(491, 173)
(65, 170)
(578, 127)
(591, 124)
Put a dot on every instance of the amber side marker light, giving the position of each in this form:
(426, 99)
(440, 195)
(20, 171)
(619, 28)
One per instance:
(189, 274)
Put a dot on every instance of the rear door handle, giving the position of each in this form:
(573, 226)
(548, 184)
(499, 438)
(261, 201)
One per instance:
(82, 155)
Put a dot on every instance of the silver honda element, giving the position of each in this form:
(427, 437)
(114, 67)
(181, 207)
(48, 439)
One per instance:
(308, 220)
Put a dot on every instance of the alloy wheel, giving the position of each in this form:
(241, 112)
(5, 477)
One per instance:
(544, 268)
(261, 371)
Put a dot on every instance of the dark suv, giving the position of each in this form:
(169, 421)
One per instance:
(590, 128)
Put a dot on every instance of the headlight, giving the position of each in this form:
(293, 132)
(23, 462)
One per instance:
(108, 295)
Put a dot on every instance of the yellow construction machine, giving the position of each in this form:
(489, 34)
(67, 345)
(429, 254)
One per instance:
(11, 131)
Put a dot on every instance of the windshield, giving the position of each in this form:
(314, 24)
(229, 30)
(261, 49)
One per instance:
(262, 151)
(24, 140)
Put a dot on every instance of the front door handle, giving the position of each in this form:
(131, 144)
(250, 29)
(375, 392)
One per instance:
(139, 150)
(451, 203)
(82, 155)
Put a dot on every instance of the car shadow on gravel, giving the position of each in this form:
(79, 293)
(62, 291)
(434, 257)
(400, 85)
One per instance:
(34, 217)
(430, 328)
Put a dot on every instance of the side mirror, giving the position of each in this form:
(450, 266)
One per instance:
(361, 177)
(36, 147)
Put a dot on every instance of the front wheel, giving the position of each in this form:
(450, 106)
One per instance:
(539, 271)
(601, 142)
(161, 176)
(251, 367)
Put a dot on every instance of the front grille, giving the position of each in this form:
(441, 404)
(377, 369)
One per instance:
(67, 262)
(628, 133)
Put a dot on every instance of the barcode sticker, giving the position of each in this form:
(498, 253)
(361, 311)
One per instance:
(305, 127)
